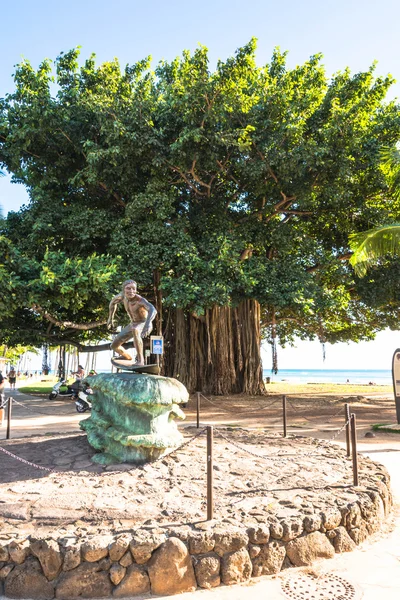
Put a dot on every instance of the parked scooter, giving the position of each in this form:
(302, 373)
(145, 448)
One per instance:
(82, 401)
(61, 388)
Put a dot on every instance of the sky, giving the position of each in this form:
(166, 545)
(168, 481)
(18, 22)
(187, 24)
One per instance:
(352, 33)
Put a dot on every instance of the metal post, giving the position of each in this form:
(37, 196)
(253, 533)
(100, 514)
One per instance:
(65, 373)
(354, 449)
(2, 403)
(347, 420)
(284, 416)
(397, 403)
(198, 410)
(210, 496)
(8, 432)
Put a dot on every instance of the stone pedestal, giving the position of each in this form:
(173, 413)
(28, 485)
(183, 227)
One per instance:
(133, 417)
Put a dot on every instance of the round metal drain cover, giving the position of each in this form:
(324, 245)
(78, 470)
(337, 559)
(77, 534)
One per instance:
(326, 587)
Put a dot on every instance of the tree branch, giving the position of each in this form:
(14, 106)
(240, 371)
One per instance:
(185, 179)
(198, 180)
(65, 324)
(55, 341)
(247, 253)
(285, 199)
(279, 319)
(297, 212)
(113, 194)
(263, 158)
(340, 257)
(67, 137)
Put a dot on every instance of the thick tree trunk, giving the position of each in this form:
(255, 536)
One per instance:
(218, 353)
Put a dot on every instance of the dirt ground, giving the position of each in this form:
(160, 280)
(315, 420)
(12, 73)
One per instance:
(78, 493)
(316, 413)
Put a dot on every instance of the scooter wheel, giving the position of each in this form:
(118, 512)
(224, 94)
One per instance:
(80, 408)
(52, 396)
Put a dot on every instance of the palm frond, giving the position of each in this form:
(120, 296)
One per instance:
(390, 156)
(369, 246)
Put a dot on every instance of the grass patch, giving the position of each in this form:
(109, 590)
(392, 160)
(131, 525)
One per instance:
(37, 387)
(337, 389)
(385, 428)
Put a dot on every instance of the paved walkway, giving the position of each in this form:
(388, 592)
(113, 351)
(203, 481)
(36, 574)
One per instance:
(40, 416)
(373, 569)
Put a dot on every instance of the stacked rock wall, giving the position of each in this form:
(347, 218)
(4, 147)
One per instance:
(174, 560)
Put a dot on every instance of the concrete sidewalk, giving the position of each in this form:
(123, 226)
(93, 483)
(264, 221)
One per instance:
(40, 416)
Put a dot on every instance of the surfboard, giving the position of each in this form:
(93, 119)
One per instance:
(129, 365)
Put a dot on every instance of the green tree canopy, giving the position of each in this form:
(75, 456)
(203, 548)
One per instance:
(211, 188)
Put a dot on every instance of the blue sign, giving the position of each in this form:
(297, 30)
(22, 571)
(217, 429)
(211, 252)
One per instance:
(157, 346)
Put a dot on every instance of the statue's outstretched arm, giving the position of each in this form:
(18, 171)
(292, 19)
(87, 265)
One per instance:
(113, 307)
(151, 313)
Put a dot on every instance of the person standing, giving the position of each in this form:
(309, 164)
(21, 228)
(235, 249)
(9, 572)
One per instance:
(80, 373)
(12, 378)
(2, 398)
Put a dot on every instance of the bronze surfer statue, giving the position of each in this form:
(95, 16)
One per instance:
(141, 313)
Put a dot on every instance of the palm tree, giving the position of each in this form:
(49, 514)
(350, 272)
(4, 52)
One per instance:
(1, 209)
(369, 246)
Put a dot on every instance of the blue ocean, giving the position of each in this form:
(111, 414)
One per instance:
(356, 376)
(378, 376)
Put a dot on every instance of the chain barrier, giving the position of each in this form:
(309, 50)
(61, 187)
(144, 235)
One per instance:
(240, 413)
(160, 458)
(280, 420)
(189, 441)
(262, 456)
(278, 455)
(273, 457)
(27, 462)
(269, 406)
(312, 420)
(38, 411)
(339, 431)
(164, 456)
(281, 457)
(3, 402)
(259, 408)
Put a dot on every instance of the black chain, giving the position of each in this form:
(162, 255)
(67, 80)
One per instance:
(164, 456)
(27, 462)
(339, 431)
(34, 410)
(233, 408)
(312, 420)
(277, 456)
